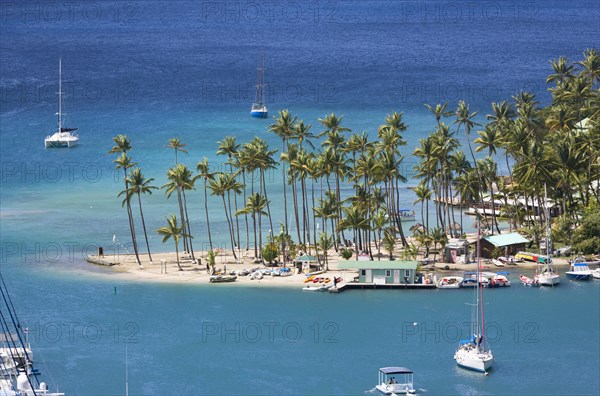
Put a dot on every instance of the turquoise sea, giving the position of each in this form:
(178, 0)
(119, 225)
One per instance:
(156, 70)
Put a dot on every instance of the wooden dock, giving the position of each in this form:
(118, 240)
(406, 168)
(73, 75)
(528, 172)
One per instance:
(99, 261)
(355, 285)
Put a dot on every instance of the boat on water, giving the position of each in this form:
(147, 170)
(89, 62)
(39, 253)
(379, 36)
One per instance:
(579, 271)
(470, 279)
(407, 215)
(388, 384)
(222, 278)
(527, 281)
(320, 288)
(472, 353)
(259, 108)
(499, 280)
(545, 274)
(63, 137)
(449, 282)
(596, 273)
(18, 376)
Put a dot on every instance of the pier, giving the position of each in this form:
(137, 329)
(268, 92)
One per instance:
(356, 285)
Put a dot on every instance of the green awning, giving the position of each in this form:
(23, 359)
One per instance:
(383, 264)
(503, 240)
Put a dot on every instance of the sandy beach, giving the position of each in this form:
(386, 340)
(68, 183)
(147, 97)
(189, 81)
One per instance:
(164, 268)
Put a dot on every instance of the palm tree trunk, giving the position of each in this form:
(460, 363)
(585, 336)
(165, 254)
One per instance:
(207, 220)
(245, 214)
(268, 206)
(229, 227)
(131, 223)
(187, 225)
(177, 254)
(144, 226)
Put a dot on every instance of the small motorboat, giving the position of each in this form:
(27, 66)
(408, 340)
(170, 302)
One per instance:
(388, 384)
(499, 280)
(470, 279)
(449, 282)
(222, 278)
(579, 271)
(527, 281)
(320, 288)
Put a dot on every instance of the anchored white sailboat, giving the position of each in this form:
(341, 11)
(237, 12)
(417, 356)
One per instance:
(472, 353)
(545, 275)
(63, 137)
(259, 109)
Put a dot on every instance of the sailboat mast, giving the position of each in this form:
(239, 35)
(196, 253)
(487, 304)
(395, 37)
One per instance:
(548, 250)
(59, 94)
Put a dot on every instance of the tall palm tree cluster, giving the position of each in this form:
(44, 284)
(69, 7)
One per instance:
(556, 146)
(340, 188)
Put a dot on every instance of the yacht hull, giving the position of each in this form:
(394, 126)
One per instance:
(259, 114)
(473, 360)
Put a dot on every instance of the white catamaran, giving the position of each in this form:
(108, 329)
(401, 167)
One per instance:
(63, 137)
(472, 353)
(259, 109)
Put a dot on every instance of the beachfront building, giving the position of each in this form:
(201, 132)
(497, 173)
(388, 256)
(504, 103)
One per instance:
(508, 244)
(456, 251)
(306, 263)
(382, 272)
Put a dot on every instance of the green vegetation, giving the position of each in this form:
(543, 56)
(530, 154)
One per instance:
(555, 147)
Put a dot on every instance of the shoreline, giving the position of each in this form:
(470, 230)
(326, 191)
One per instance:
(125, 267)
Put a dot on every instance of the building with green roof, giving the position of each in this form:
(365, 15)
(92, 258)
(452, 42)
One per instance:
(383, 272)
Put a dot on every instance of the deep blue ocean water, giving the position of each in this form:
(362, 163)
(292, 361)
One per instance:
(156, 70)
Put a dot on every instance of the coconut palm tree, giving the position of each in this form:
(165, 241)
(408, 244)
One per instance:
(423, 195)
(464, 117)
(591, 65)
(177, 145)
(206, 175)
(220, 186)
(255, 206)
(285, 128)
(354, 219)
(325, 244)
(172, 230)
(562, 68)
(124, 162)
(439, 111)
(180, 180)
(139, 185)
(438, 237)
(230, 148)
